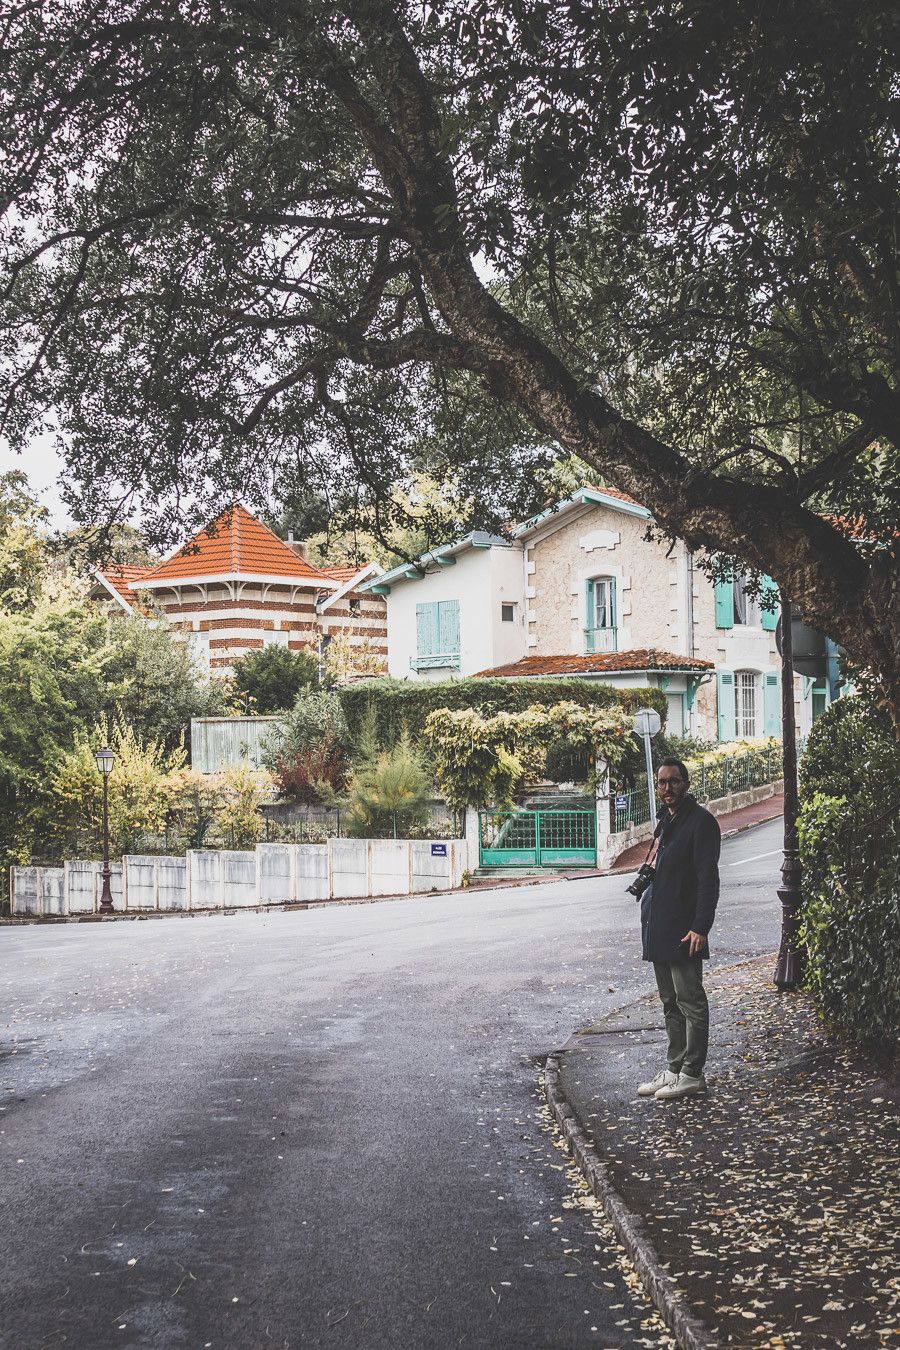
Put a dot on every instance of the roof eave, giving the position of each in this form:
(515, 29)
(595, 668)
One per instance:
(313, 580)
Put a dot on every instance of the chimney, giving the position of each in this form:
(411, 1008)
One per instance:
(299, 546)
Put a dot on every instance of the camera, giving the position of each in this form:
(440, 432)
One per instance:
(645, 875)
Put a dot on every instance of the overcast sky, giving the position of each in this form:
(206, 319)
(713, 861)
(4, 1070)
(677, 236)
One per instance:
(42, 466)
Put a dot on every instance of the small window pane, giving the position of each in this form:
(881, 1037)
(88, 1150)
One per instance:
(745, 703)
(507, 613)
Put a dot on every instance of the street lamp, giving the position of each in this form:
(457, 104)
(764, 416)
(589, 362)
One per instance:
(789, 967)
(104, 759)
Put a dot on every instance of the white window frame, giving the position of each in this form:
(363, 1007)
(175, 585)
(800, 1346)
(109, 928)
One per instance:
(747, 710)
(747, 612)
(508, 605)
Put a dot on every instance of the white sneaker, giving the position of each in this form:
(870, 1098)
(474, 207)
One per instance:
(684, 1086)
(665, 1078)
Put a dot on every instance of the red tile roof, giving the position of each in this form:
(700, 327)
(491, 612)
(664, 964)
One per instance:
(613, 492)
(235, 542)
(603, 663)
(126, 579)
(341, 573)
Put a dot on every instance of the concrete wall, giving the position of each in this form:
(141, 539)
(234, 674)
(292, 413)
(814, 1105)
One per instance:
(273, 874)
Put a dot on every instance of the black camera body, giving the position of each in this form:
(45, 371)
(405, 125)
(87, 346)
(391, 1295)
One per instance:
(645, 875)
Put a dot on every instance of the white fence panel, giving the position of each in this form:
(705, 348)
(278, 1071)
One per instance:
(239, 879)
(141, 881)
(276, 873)
(349, 866)
(172, 883)
(312, 872)
(389, 867)
(205, 879)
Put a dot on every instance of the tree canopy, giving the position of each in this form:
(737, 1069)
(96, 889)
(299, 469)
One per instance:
(330, 244)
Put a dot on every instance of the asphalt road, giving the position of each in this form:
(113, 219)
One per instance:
(321, 1128)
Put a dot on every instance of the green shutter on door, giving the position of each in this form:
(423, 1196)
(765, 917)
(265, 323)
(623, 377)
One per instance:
(427, 629)
(448, 627)
(769, 596)
(725, 705)
(613, 607)
(590, 608)
(772, 704)
(725, 604)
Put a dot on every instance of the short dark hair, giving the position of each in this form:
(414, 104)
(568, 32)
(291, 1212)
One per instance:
(670, 762)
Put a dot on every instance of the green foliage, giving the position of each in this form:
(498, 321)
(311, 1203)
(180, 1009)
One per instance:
(306, 750)
(25, 557)
(152, 681)
(142, 789)
(481, 760)
(270, 679)
(850, 849)
(400, 706)
(240, 794)
(387, 794)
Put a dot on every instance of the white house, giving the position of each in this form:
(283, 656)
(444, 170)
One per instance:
(455, 610)
(581, 589)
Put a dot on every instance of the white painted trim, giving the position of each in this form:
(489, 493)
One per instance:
(224, 578)
(370, 570)
(119, 599)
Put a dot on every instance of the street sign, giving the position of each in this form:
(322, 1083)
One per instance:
(438, 850)
(647, 722)
(622, 803)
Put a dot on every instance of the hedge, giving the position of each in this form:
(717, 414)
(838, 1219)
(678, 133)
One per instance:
(400, 705)
(850, 850)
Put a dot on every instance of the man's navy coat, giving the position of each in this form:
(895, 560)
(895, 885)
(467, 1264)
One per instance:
(685, 889)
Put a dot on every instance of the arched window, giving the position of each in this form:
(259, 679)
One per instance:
(746, 704)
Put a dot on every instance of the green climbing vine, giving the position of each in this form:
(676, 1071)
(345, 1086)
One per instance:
(480, 761)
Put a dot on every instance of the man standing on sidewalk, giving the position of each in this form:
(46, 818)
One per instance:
(677, 912)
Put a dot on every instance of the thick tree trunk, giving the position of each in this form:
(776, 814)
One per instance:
(855, 599)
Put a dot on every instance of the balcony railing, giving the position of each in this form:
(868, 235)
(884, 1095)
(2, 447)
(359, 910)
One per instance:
(436, 661)
(600, 640)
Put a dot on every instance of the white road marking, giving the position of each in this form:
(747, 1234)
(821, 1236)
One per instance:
(756, 857)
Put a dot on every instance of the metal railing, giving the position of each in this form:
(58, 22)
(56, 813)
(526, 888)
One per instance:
(598, 640)
(709, 780)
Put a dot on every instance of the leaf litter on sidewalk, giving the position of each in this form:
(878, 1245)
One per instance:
(773, 1201)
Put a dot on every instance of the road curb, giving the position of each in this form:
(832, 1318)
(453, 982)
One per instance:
(689, 1331)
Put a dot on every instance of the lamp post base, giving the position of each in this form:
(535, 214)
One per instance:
(106, 900)
(789, 966)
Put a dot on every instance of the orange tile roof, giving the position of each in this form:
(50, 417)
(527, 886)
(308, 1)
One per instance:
(613, 492)
(341, 573)
(235, 542)
(126, 579)
(603, 663)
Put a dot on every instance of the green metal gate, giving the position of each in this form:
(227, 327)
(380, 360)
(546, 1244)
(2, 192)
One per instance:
(537, 838)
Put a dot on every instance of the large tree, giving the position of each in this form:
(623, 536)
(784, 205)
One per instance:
(312, 238)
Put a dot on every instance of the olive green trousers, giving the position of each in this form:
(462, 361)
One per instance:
(686, 1013)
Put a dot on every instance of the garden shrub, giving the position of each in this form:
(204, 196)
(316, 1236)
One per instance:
(404, 705)
(240, 793)
(306, 750)
(850, 850)
(269, 680)
(387, 796)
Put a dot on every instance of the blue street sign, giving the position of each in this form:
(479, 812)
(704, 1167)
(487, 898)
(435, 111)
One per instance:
(438, 850)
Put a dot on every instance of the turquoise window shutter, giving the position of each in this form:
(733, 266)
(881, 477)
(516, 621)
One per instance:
(448, 627)
(772, 704)
(613, 604)
(590, 605)
(427, 631)
(725, 605)
(769, 596)
(727, 718)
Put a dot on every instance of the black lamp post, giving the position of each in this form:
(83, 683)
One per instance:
(104, 758)
(789, 967)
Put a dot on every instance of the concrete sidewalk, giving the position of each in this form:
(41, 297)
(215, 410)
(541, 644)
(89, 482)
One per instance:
(731, 823)
(767, 1210)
